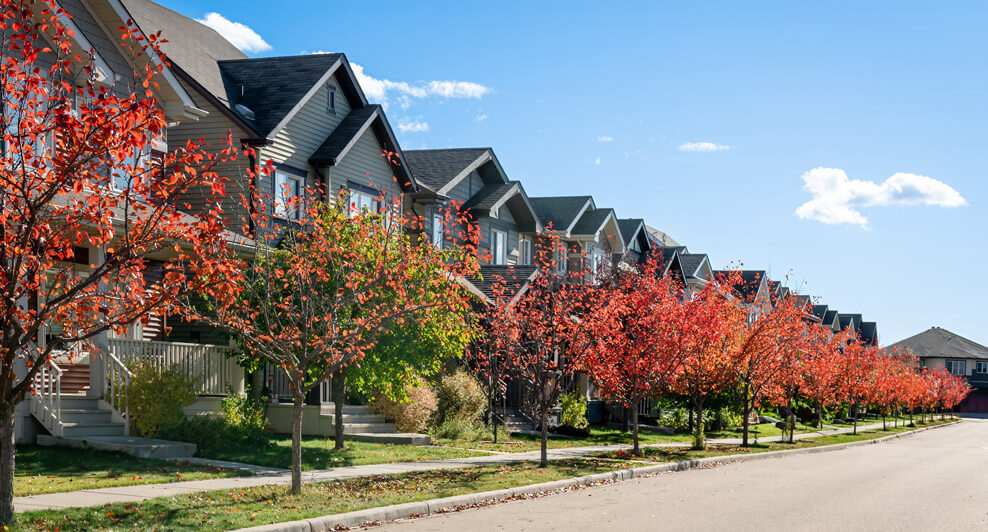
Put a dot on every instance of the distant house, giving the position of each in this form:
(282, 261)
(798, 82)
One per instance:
(939, 348)
(591, 234)
(637, 242)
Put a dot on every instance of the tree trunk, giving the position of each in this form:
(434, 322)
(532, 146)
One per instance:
(7, 468)
(790, 424)
(819, 415)
(339, 389)
(746, 413)
(626, 420)
(494, 413)
(884, 423)
(690, 424)
(297, 409)
(634, 428)
(855, 418)
(698, 442)
(544, 459)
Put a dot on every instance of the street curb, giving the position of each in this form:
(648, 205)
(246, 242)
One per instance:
(432, 506)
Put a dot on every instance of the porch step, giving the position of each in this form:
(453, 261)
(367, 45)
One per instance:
(132, 445)
(79, 402)
(401, 438)
(370, 428)
(85, 416)
(82, 429)
(348, 410)
(75, 378)
(357, 418)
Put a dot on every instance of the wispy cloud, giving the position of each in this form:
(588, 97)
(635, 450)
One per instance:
(240, 35)
(837, 198)
(703, 146)
(597, 162)
(413, 126)
(386, 91)
(604, 138)
(480, 117)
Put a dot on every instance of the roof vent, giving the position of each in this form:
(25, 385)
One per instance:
(244, 111)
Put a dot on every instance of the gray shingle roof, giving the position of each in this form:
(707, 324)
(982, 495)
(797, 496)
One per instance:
(433, 169)
(192, 46)
(845, 321)
(937, 342)
(820, 311)
(591, 221)
(869, 332)
(347, 129)
(691, 262)
(272, 86)
(856, 318)
(628, 227)
(515, 278)
(828, 319)
(490, 195)
(560, 211)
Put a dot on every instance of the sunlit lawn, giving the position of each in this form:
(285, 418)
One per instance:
(228, 509)
(56, 469)
(598, 436)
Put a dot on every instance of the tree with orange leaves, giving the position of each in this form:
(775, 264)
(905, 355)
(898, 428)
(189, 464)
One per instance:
(85, 211)
(818, 379)
(853, 371)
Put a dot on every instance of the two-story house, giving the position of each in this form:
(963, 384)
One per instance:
(939, 348)
(591, 235)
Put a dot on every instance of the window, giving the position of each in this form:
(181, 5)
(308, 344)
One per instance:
(331, 100)
(361, 201)
(982, 367)
(287, 194)
(438, 226)
(524, 251)
(957, 367)
(499, 246)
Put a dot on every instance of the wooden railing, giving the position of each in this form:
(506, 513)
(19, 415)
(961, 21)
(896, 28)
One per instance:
(209, 365)
(46, 405)
(117, 381)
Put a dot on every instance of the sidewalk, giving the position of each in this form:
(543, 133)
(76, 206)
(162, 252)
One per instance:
(97, 497)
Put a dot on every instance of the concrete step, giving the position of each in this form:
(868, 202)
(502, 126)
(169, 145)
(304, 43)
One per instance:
(78, 430)
(356, 410)
(356, 418)
(372, 428)
(402, 438)
(85, 417)
(132, 445)
(79, 402)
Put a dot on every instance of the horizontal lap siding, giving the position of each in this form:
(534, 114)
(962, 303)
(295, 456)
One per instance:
(365, 165)
(505, 223)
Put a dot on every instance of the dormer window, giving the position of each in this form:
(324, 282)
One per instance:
(331, 100)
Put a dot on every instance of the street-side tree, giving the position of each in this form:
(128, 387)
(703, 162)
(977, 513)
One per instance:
(318, 294)
(818, 378)
(853, 369)
(702, 332)
(626, 353)
(84, 210)
(490, 354)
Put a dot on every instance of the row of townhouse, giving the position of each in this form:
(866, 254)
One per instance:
(308, 118)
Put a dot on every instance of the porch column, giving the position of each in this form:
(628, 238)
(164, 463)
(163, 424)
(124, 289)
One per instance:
(97, 359)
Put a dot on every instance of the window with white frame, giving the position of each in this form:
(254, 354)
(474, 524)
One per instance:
(957, 367)
(438, 227)
(499, 247)
(287, 194)
(524, 251)
(331, 99)
(982, 367)
(364, 202)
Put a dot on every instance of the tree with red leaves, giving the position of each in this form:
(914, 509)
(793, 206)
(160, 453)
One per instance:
(489, 355)
(627, 355)
(818, 379)
(83, 209)
(853, 369)
(316, 296)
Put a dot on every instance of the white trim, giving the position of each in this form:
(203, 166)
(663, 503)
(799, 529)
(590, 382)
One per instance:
(477, 163)
(323, 80)
(356, 138)
(104, 72)
(579, 215)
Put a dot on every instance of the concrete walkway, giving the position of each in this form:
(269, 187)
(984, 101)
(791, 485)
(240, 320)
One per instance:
(100, 496)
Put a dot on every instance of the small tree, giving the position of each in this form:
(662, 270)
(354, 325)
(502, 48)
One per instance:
(84, 210)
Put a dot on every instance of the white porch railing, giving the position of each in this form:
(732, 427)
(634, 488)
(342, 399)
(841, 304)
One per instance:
(117, 381)
(207, 364)
(46, 405)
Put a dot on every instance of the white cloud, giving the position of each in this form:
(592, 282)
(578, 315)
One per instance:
(480, 117)
(240, 35)
(413, 126)
(703, 146)
(837, 198)
(604, 138)
(384, 91)
(597, 162)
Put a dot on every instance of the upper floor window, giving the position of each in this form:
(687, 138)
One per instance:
(982, 367)
(957, 367)
(499, 246)
(437, 230)
(361, 201)
(524, 251)
(287, 195)
(331, 100)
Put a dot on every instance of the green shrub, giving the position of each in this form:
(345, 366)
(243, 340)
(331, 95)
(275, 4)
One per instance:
(460, 397)
(156, 397)
(574, 407)
(457, 428)
(412, 414)
(212, 434)
(244, 411)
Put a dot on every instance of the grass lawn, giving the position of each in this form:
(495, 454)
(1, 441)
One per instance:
(678, 454)
(55, 469)
(598, 436)
(764, 430)
(227, 509)
(318, 453)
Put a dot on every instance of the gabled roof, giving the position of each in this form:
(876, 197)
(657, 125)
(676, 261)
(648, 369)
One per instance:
(561, 211)
(869, 332)
(691, 262)
(660, 238)
(937, 342)
(845, 322)
(272, 87)
(437, 169)
(820, 311)
(856, 318)
(592, 221)
(750, 282)
(630, 228)
(516, 279)
(491, 196)
(804, 300)
(829, 317)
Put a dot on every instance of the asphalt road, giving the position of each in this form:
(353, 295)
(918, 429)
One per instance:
(935, 480)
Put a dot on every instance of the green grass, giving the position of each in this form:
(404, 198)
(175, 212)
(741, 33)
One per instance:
(762, 430)
(56, 469)
(598, 436)
(318, 453)
(679, 454)
(227, 509)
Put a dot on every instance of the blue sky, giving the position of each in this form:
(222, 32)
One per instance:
(589, 98)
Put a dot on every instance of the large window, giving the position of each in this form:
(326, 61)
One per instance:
(437, 230)
(287, 194)
(364, 202)
(982, 367)
(499, 246)
(524, 251)
(957, 367)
